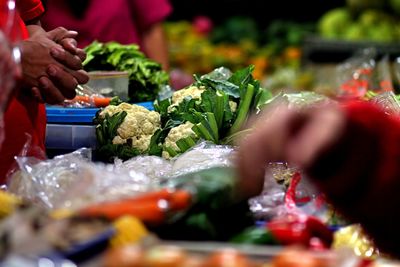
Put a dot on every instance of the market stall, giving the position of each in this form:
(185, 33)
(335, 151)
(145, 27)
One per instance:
(142, 163)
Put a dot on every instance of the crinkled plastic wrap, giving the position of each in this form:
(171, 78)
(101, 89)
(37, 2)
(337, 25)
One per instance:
(221, 73)
(72, 181)
(389, 103)
(205, 155)
(363, 73)
(271, 202)
(354, 238)
(299, 100)
(152, 166)
(85, 98)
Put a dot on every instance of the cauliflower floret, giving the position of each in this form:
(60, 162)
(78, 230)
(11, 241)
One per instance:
(118, 140)
(232, 106)
(192, 91)
(139, 125)
(141, 142)
(175, 134)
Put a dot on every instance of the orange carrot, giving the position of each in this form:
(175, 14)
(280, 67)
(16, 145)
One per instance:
(180, 200)
(149, 212)
(97, 101)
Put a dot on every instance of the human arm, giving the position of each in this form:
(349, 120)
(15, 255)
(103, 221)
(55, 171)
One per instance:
(351, 151)
(155, 44)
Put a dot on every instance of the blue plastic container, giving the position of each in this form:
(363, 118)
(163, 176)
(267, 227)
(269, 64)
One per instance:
(61, 115)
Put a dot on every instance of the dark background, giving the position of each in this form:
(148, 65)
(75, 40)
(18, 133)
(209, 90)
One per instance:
(263, 11)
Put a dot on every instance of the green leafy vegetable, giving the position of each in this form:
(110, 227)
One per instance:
(145, 76)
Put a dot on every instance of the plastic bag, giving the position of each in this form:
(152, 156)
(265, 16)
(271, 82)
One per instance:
(152, 166)
(86, 97)
(364, 72)
(389, 103)
(271, 202)
(205, 155)
(71, 181)
(353, 237)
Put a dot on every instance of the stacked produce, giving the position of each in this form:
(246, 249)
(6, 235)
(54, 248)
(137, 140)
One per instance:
(234, 44)
(372, 20)
(214, 108)
(145, 76)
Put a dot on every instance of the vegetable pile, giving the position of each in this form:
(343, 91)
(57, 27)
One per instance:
(214, 108)
(145, 76)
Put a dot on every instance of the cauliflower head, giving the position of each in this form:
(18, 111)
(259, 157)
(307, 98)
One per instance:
(193, 91)
(138, 126)
(175, 134)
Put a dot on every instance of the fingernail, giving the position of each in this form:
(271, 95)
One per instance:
(52, 71)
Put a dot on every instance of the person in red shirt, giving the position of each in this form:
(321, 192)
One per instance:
(351, 151)
(124, 21)
(51, 67)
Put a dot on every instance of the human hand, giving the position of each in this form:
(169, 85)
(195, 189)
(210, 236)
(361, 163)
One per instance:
(50, 70)
(283, 134)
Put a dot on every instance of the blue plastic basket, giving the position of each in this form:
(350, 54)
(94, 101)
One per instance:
(63, 115)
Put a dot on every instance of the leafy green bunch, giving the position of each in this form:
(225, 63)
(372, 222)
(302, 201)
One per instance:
(212, 116)
(145, 76)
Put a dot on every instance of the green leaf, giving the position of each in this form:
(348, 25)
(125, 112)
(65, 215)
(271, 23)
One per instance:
(242, 76)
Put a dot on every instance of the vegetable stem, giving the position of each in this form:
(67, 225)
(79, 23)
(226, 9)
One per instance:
(243, 109)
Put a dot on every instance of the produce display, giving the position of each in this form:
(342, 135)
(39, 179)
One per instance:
(161, 187)
(362, 20)
(145, 76)
(214, 108)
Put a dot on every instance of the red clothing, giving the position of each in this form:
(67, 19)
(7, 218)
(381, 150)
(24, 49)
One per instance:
(24, 115)
(360, 174)
(104, 20)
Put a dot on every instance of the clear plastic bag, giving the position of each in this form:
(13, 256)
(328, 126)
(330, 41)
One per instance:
(219, 74)
(275, 200)
(86, 97)
(152, 166)
(71, 181)
(388, 102)
(205, 155)
(364, 72)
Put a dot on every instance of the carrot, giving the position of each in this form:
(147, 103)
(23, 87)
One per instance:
(149, 212)
(180, 200)
(101, 101)
(97, 101)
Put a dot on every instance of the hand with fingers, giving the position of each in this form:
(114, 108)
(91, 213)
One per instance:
(289, 135)
(52, 65)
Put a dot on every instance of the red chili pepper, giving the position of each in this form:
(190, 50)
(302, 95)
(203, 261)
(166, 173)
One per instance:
(298, 228)
(301, 229)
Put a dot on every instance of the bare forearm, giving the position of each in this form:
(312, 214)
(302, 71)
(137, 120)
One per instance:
(155, 45)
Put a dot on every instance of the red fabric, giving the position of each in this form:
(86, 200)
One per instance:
(360, 174)
(119, 20)
(30, 9)
(23, 115)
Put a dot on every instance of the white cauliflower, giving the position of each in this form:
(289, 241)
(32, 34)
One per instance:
(175, 134)
(233, 106)
(193, 91)
(139, 125)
